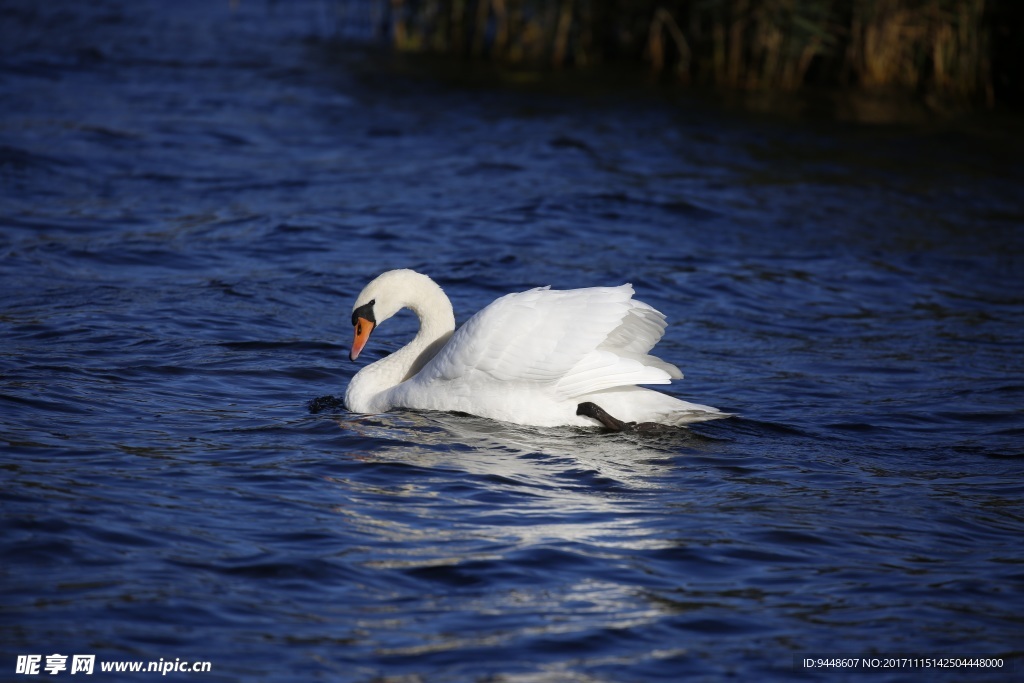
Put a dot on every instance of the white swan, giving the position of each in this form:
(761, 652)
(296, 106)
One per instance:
(530, 358)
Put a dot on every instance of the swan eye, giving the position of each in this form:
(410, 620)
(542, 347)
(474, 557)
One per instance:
(365, 312)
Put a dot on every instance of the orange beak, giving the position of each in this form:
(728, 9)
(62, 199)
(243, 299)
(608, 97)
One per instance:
(362, 333)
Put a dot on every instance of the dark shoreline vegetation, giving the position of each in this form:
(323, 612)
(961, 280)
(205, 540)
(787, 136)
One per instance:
(947, 53)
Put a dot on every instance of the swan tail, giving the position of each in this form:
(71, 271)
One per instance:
(637, 404)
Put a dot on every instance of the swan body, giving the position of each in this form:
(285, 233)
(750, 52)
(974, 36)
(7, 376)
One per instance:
(529, 358)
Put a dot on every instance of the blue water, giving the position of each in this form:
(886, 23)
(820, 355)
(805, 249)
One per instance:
(192, 196)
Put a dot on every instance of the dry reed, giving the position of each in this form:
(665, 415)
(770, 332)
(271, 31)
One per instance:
(933, 47)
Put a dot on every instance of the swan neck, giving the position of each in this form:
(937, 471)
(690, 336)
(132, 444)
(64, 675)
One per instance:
(437, 323)
(370, 390)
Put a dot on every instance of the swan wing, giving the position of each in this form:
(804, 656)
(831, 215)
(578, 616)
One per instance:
(571, 341)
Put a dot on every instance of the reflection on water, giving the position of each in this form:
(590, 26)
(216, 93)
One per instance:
(624, 458)
(557, 502)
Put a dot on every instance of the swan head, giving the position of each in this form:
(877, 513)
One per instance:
(363, 320)
(386, 295)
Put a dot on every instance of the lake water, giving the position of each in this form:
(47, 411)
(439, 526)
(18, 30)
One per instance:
(193, 195)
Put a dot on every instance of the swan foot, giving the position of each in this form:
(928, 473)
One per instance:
(595, 411)
(588, 409)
